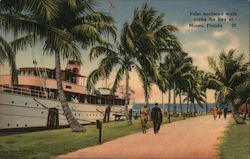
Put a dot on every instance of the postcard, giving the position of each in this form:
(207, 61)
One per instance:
(124, 79)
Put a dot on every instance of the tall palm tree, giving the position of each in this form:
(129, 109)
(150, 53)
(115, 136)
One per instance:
(204, 86)
(151, 39)
(182, 73)
(162, 83)
(196, 92)
(230, 79)
(62, 25)
(122, 59)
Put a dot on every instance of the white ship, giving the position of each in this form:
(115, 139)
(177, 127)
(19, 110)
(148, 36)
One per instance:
(27, 106)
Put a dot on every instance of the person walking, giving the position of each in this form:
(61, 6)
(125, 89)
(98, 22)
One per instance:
(144, 117)
(225, 112)
(214, 112)
(156, 117)
(219, 112)
(130, 114)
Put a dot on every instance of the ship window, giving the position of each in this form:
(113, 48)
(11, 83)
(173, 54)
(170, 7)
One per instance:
(51, 95)
(8, 124)
(123, 102)
(75, 70)
(69, 87)
(102, 100)
(82, 98)
(42, 112)
(109, 101)
(32, 73)
(17, 125)
(26, 125)
(88, 99)
(93, 100)
(37, 105)
(79, 114)
(98, 100)
(26, 103)
(13, 102)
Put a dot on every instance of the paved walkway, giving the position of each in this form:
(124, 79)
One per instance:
(190, 138)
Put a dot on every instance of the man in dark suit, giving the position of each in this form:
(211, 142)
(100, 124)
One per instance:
(156, 117)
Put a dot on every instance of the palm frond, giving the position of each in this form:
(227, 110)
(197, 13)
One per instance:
(145, 81)
(118, 79)
(23, 42)
(212, 63)
(97, 51)
(94, 76)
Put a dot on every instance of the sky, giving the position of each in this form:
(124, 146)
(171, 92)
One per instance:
(199, 42)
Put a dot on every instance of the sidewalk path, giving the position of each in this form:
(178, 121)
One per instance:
(191, 138)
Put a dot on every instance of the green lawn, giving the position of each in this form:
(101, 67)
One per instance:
(235, 144)
(49, 143)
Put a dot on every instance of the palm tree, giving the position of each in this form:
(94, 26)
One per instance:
(152, 39)
(162, 83)
(204, 83)
(182, 73)
(120, 58)
(141, 45)
(8, 53)
(62, 25)
(230, 79)
(176, 65)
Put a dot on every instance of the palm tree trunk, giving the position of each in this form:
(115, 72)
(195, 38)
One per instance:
(14, 72)
(236, 115)
(215, 98)
(188, 107)
(146, 99)
(73, 123)
(206, 102)
(195, 109)
(180, 103)
(206, 106)
(174, 102)
(169, 99)
(127, 94)
(162, 100)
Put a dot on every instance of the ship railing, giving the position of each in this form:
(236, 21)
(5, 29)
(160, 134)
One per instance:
(22, 91)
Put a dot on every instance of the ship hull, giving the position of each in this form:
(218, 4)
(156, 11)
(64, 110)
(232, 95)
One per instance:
(22, 111)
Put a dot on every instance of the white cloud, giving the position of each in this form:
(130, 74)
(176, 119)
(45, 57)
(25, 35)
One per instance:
(233, 44)
(233, 40)
(200, 58)
(219, 34)
(200, 49)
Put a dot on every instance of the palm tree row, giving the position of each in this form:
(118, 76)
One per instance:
(139, 48)
(142, 45)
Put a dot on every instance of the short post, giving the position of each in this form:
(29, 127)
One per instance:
(99, 126)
